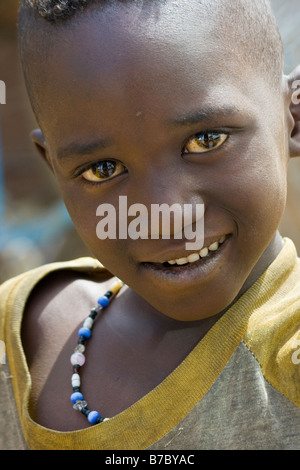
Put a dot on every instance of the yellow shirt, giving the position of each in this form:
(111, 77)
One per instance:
(238, 389)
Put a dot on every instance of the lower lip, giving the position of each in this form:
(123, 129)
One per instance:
(189, 273)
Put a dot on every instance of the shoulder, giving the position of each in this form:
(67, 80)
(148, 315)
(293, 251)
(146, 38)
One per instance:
(273, 335)
(15, 293)
(6, 293)
(56, 305)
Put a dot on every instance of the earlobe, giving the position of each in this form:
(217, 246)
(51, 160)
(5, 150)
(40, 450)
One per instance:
(39, 141)
(294, 111)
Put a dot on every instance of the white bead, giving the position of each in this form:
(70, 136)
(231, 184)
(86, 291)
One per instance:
(88, 323)
(79, 348)
(75, 380)
(79, 405)
(77, 358)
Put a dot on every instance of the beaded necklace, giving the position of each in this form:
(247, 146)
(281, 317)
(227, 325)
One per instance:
(78, 358)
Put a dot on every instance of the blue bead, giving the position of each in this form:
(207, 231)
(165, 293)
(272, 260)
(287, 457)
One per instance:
(104, 301)
(93, 416)
(76, 396)
(86, 332)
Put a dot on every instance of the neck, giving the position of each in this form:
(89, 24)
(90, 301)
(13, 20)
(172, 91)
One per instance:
(267, 258)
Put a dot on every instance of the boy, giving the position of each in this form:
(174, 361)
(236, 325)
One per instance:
(164, 102)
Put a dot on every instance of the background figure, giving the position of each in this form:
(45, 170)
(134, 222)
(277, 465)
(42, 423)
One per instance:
(34, 225)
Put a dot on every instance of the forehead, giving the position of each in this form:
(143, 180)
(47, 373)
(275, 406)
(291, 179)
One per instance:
(145, 60)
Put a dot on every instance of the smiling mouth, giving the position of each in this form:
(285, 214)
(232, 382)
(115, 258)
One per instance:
(193, 258)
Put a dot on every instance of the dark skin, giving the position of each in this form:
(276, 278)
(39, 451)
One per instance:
(139, 111)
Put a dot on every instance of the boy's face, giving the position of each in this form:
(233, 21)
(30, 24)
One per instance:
(126, 88)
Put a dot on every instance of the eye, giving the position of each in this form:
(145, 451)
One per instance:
(205, 142)
(103, 171)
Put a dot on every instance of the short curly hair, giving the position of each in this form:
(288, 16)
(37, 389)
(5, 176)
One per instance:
(53, 10)
(252, 21)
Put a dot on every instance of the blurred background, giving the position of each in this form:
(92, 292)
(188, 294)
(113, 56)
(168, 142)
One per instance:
(34, 225)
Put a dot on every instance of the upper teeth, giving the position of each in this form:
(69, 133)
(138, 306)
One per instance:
(196, 256)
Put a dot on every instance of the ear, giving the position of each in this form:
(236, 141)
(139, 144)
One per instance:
(294, 112)
(39, 141)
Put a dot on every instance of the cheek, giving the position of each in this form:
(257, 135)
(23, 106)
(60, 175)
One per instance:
(82, 205)
(259, 191)
(82, 211)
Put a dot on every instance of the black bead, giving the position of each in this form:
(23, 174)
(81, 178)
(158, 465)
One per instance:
(93, 314)
(76, 389)
(85, 411)
(81, 340)
(108, 294)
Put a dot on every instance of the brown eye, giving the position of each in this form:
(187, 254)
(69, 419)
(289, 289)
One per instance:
(103, 170)
(205, 142)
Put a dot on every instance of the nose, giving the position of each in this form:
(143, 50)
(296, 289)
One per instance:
(164, 184)
(165, 206)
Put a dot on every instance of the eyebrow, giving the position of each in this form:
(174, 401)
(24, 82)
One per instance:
(83, 148)
(207, 113)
